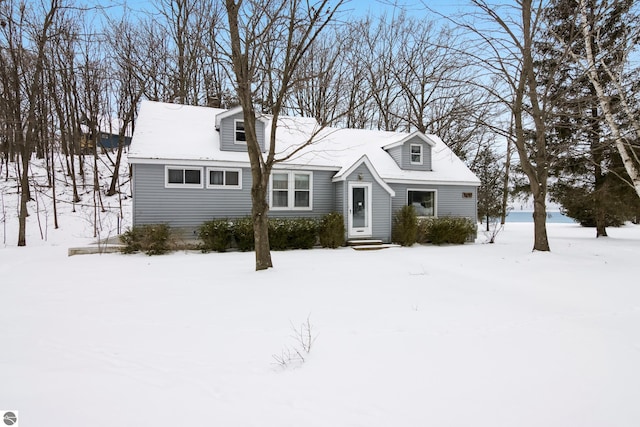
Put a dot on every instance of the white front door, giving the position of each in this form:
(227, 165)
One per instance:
(359, 220)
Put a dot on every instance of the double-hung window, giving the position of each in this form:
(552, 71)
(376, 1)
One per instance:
(224, 178)
(182, 177)
(291, 190)
(416, 154)
(240, 136)
(424, 201)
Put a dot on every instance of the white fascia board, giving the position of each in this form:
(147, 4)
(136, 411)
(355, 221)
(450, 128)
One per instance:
(287, 166)
(364, 159)
(227, 163)
(419, 134)
(431, 182)
(187, 162)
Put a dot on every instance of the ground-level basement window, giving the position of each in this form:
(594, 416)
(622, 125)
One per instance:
(291, 190)
(182, 177)
(224, 178)
(424, 201)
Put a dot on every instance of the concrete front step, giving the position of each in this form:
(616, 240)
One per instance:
(368, 245)
(364, 242)
(95, 249)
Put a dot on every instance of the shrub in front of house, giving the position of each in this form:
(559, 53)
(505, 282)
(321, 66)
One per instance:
(405, 226)
(445, 230)
(152, 239)
(243, 234)
(292, 233)
(331, 230)
(216, 235)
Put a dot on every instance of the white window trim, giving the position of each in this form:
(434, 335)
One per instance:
(291, 191)
(435, 200)
(235, 130)
(173, 185)
(421, 154)
(225, 186)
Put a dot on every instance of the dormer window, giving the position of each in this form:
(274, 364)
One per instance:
(240, 135)
(416, 154)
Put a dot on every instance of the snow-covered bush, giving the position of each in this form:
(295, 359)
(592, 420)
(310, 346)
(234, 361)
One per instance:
(292, 233)
(405, 226)
(216, 235)
(242, 229)
(331, 230)
(446, 230)
(152, 239)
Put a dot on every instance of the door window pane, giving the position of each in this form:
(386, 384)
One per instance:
(359, 207)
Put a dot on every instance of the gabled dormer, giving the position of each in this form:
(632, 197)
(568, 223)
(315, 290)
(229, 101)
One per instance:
(413, 152)
(230, 125)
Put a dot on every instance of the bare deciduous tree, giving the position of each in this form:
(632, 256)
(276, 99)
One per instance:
(269, 40)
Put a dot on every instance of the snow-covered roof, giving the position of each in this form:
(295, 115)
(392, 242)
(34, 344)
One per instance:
(187, 134)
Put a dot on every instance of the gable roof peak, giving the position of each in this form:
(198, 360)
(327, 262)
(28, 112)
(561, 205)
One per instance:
(425, 138)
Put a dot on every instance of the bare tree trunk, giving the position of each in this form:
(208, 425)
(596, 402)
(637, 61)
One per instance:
(505, 187)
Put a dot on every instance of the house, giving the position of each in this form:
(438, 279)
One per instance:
(106, 141)
(190, 165)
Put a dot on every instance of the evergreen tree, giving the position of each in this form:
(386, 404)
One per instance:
(490, 171)
(585, 160)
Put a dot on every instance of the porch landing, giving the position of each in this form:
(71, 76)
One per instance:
(368, 245)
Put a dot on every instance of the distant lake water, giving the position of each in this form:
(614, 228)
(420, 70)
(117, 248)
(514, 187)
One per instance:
(527, 216)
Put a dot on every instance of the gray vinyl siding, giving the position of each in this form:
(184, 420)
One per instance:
(184, 208)
(406, 155)
(187, 208)
(381, 203)
(449, 199)
(396, 154)
(227, 134)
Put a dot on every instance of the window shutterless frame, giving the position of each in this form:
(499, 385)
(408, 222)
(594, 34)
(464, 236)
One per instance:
(291, 191)
(239, 134)
(183, 177)
(415, 153)
(224, 178)
(424, 200)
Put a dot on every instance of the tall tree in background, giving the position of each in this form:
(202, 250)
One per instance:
(25, 35)
(269, 39)
(585, 155)
(591, 17)
(507, 54)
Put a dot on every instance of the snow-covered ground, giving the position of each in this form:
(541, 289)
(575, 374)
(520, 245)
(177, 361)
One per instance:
(471, 335)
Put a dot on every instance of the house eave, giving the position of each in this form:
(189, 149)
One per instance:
(419, 134)
(431, 182)
(225, 163)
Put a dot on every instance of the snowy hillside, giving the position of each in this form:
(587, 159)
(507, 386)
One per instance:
(471, 335)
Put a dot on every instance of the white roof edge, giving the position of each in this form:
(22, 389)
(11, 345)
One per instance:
(235, 110)
(421, 135)
(229, 112)
(230, 163)
(429, 182)
(364, 159)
